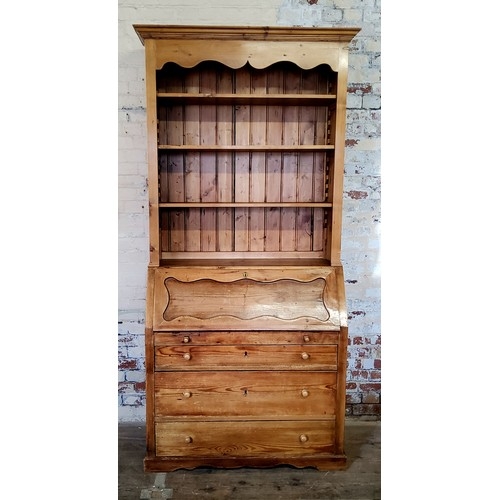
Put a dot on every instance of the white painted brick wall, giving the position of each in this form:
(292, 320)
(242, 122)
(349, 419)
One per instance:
(361, 221)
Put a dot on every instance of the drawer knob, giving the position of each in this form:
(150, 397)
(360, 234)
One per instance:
(303, 438)
(305, 393)
(186, 340)
(187, 356)
(305, 355)
(307, 338)
(188, 439)
(187, 394)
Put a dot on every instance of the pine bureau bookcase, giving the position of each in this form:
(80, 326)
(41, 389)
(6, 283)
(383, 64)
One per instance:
(246, 325)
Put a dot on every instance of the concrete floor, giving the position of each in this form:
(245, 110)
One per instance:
(360, 481)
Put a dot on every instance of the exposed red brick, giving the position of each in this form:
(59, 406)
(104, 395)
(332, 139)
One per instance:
(357, 340)
(357, 195)
(140, 386)
(124, 387)
(377, 364)
(375, 375)
(359, 88)
(128, 364)
(363, 352)
(351, 142)
(312, 2)
(359, 374)
(350, 386)
(369, 387)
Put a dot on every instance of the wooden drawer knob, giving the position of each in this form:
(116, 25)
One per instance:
(188, 439)
(303, 438)
(186, 340)
(305, 355)
(307, 338)
(187, 394)
(187, 356)
(305, 393)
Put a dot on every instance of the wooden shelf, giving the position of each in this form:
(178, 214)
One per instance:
(250, 204)
(246, 263)
(255, 99)
(248, 148)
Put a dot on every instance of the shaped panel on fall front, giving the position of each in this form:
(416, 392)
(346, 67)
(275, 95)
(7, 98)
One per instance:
(239, 299)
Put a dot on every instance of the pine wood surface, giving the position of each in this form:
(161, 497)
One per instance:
(246, 325)
(246, 357)
(248, 439)
(250, 298)
(248, 337)
(222, 158)
(211, 395)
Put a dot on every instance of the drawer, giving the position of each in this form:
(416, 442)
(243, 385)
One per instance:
(237, 338)
(244, 439)
(299, 395)
(246, 357)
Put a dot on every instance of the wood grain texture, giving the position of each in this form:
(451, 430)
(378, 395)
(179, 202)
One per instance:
(245, 299)
(218, 153)
(209, 395)
(246, 357)
(246, 323)
(248, 298)
(249, 337)
(244, 439)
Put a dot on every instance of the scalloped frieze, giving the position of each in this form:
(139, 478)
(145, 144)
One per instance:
(235, 54)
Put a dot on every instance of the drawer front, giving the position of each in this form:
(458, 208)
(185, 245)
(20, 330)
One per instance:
(238, 338)
(244, 439)
(300, 395)
(246, 357)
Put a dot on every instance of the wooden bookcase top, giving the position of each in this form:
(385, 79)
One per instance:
(236, 45)
(246, 129)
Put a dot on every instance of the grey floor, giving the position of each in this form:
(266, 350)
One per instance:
(360, 481)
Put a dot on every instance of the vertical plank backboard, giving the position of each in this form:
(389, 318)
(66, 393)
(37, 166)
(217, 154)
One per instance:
(175, 169)
(208, 121)
(319, 193)
(192, 181)
(305, 177)
(163, 158)
(242, 162)
(225, 163)
(258, 128)
(289, 185)
(273, 166)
